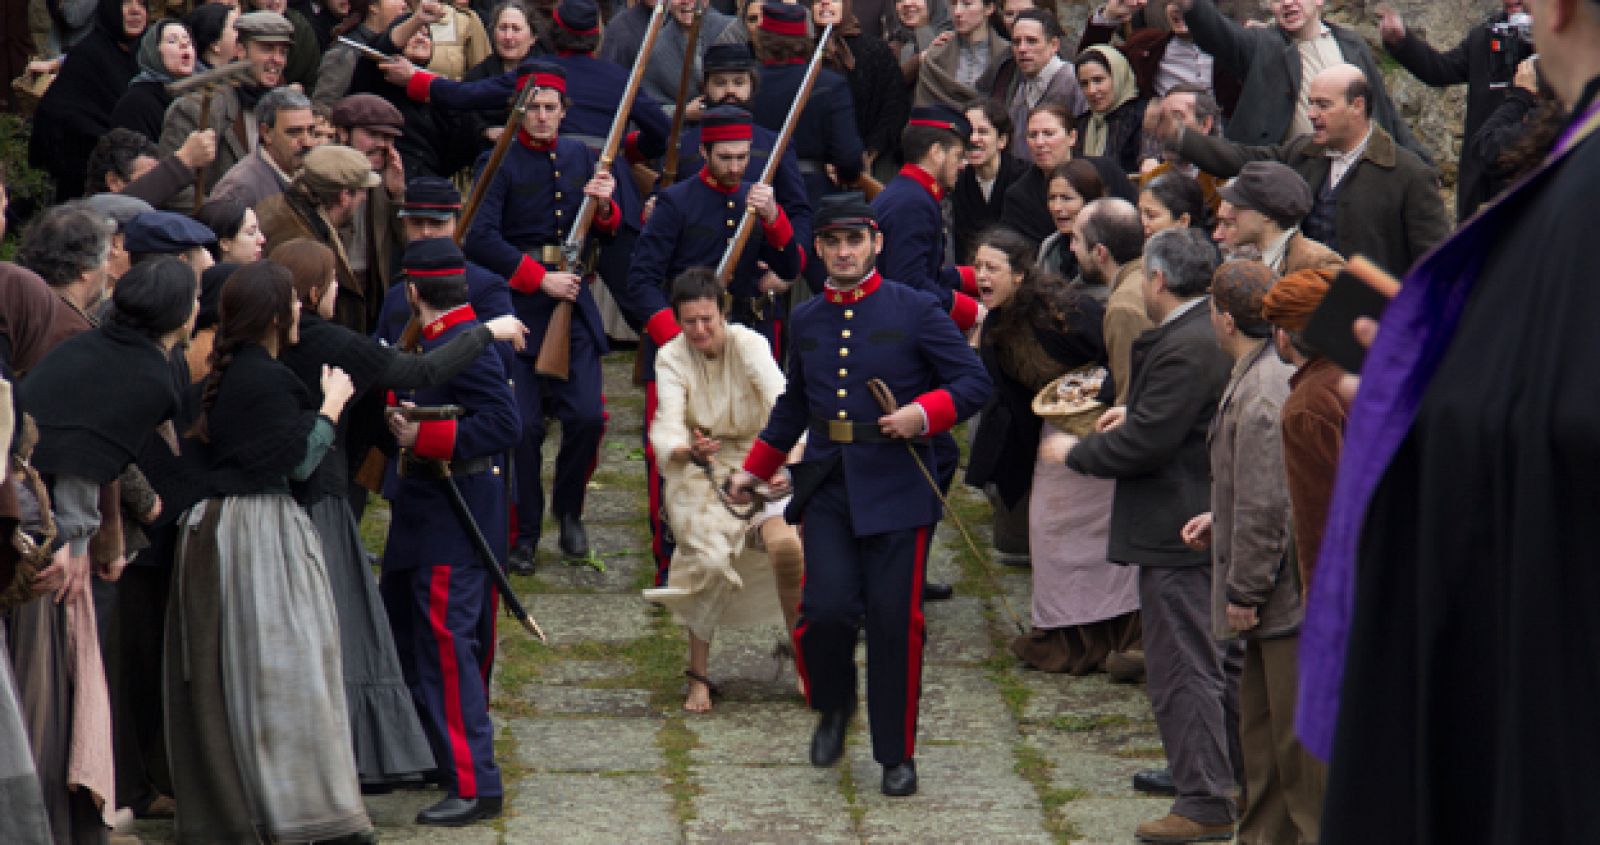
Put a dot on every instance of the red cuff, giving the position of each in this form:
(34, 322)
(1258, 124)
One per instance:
(969, 280)
(608, 223)
(764, 459)
(630, 148)
(417, 86)
(963, 310)
(662, 327)
(436, 439)
(391, 400)
(940, 408)
(528, 277)
(780, 232)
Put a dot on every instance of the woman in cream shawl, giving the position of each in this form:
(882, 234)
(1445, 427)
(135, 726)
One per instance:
(1112, 127)
(715, 385)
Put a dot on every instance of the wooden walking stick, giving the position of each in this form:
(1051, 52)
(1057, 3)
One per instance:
(555, 352)
(730, 257)
(207, 84)
(669, 165)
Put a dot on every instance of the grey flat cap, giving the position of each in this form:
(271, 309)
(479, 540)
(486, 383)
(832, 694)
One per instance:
(264, 26)
(1272, 189)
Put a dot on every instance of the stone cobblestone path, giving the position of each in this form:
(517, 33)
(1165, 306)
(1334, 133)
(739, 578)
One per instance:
(597, 749)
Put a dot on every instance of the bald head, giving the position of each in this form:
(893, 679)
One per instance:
(1107, 234)
(1340, 107)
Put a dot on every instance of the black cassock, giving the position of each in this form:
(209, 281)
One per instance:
(1472, 680)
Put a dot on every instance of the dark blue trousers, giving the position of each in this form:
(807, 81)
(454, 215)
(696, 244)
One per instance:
(851, 581)
(577, 403)
(437, 614)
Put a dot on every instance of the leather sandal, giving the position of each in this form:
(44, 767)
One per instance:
(702, 679)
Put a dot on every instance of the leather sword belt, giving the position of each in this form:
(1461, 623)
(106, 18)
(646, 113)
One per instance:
(412, 467)
(846, 431)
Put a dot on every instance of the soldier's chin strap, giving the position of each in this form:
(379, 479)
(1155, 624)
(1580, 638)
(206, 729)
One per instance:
(886, 400)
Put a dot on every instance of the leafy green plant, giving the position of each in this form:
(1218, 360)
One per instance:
(27, 187)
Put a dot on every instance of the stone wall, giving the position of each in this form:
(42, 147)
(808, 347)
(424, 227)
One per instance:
(1435, 115)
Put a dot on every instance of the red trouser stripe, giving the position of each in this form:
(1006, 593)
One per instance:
(450, 673)
(914, 644)
(797, 635)
(653, 489)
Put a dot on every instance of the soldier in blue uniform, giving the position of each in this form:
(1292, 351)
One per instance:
(594, 88)
(692, 225)
(916, 242)
(531, 203)
(864, 507)
(827, 132)
(917, 248)
(431, 209)
(434, 584)
(730, 80)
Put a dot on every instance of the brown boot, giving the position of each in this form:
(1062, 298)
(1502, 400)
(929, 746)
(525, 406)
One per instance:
(1176, 828)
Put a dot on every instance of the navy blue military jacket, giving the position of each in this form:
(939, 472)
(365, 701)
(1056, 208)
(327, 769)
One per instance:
(532, 201)
(827, 130)
(912, 222)
(788, 185)
(595, 88)
(425, 530)
(885, 330)
(487, 293)
(692, 225)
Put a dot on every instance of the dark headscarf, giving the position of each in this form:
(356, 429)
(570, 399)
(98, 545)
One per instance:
(151, 68)
(108, 17)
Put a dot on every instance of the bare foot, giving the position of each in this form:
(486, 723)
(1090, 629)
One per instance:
(699, 699)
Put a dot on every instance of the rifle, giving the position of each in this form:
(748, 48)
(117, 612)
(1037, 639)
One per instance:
(669, 165)
(730, 257)
(556, 350)
(519, 108)
(207, 84)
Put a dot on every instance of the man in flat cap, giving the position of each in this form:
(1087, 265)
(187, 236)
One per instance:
(1255, 589)
(372, 237)
(1370, 195)
(157, 233)
(319, 204)
(1260, 213)
(264, 39)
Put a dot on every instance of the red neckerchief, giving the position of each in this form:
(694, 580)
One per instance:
(839, 296)
(454, 317)
(538, 146)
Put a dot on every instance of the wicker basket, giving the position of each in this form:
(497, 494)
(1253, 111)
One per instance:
(1079, 419)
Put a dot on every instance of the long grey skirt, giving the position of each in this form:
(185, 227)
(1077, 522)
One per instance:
(256, 727)
(22, 814)
(389, 741)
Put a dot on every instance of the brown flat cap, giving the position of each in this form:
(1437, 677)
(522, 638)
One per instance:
(1272, 189)
(333, 166)
(264, 26)
(367, 111)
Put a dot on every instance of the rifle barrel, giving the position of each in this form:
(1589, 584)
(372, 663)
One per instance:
(741, 236)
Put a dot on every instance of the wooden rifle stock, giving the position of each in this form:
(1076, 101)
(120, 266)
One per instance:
(202, 125)
(669, 166)
(555, 351)
(741, 236)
